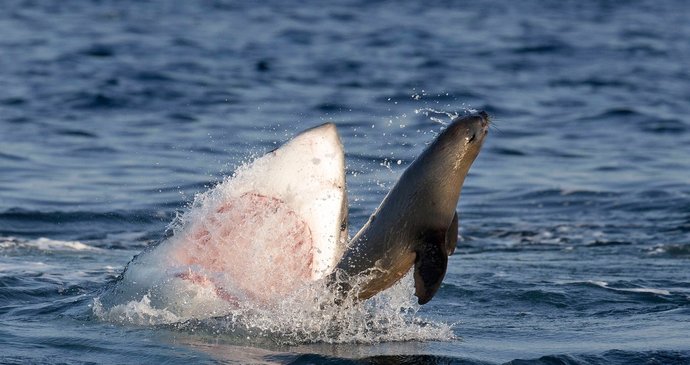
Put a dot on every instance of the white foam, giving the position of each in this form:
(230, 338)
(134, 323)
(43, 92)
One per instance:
(45, 244)
(312, 316)
(308, 315)
(647, 290)
(605, 285)
(25, 266)
(134, 312)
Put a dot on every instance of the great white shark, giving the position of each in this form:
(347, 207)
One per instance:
(280, 223)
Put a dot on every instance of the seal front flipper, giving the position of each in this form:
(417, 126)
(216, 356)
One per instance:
(430, 264)
(432, 260)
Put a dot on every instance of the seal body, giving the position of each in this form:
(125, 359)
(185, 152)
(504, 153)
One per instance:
(416, 224)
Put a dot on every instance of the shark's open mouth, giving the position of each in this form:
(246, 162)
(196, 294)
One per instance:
(227, 252)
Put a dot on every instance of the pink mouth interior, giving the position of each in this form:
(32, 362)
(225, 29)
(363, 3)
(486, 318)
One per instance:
(253, 247)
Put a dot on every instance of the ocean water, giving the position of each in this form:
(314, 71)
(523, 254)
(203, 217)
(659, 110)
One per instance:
(574, 220)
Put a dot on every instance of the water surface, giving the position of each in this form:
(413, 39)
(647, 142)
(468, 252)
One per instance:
(575, 219)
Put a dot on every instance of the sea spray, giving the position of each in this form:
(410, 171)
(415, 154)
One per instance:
(240, 261)
(309, 315)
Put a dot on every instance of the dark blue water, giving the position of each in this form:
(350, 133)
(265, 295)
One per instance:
(575, 219)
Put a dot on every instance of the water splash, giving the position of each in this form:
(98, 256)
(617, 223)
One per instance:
(249, 280)
(309, 315)
(134, 312)
(442, 117)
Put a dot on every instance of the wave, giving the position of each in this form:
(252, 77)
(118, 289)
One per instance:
(680, 250)
(20, 214)
(543, 48)
(44, 244)
(81, 225)
(392, 357)
(646, 122)
(605, 285)
(611, 357)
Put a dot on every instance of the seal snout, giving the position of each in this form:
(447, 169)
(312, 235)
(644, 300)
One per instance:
(468, 129)
(477, 126)
(485, 121)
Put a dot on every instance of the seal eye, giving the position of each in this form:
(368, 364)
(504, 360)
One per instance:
(472, 138)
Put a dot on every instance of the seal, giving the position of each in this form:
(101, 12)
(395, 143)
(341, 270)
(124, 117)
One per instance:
(416, 224)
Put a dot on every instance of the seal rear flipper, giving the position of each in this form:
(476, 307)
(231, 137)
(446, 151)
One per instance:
(430, 266)
(452, 235)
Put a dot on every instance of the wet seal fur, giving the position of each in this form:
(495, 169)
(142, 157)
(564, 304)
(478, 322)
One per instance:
(416, 223)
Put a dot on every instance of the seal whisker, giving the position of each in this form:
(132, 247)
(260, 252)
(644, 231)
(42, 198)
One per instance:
(493, 125)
